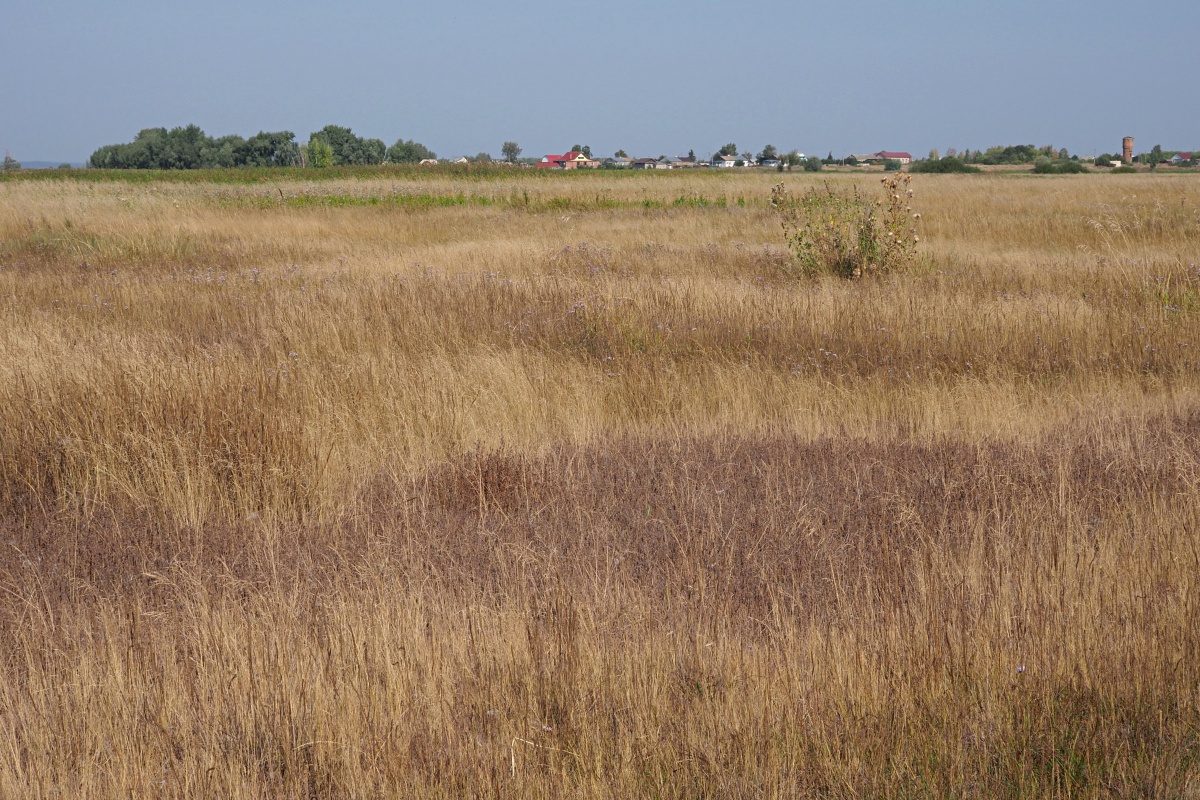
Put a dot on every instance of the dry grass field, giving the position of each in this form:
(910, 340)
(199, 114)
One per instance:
(496, 484)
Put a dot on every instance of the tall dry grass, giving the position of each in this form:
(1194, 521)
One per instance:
(448, 485)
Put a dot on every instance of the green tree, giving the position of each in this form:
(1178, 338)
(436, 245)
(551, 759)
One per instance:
(934, 155)
(768, 153)
(510, 150)
(319, 152)
(221, 152)
(1011, 154)
(342, 142)
(374, 151)
(793, 159)
(728, 150)
(10, 163)
(1154, 157)
(812, 164)
(268, 149)
(409, 152)
(349, 149)
(587, 151)
(189, 147)
(147, 151)
(620, 154)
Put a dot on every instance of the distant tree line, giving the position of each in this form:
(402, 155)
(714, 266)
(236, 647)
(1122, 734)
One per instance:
(1045, 159)
(191, 148)
(999, 155)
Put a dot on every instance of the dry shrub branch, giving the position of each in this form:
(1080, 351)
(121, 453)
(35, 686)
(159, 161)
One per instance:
(843, 233)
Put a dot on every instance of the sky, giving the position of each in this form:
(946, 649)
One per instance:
(652, 77)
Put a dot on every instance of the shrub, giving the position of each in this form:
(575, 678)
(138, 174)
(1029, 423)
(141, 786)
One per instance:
(845, 234)
(1046, 166)
(943, 165)
(891, 165)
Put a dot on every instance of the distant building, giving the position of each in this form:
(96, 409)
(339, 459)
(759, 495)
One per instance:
(881, 156)
(723, 160)
(572, 160)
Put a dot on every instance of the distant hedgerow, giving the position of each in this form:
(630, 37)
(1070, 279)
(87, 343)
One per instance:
(1046, 166)
(943, 165)
(845, 234)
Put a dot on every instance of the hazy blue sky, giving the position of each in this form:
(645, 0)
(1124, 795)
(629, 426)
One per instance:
(651, 77)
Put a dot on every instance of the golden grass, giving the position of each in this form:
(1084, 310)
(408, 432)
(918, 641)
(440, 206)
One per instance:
(501, 485)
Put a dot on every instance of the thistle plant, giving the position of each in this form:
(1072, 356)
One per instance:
(845, 234)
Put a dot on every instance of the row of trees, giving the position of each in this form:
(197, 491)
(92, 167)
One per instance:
(1044, 159)
(191, 148)
(1004, 154)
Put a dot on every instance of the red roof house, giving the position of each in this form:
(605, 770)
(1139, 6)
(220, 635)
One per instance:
(571, 160)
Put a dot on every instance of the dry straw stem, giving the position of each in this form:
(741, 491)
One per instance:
(353, 487)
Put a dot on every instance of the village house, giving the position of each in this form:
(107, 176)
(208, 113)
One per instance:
(723, 160)
(881, 156)
(572, 160)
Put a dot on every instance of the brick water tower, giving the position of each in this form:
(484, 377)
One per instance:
(1127, 149)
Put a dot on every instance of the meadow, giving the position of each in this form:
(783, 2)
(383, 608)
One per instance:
(495, 483)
